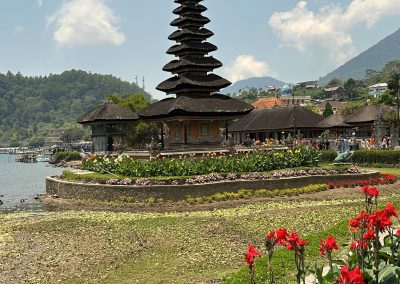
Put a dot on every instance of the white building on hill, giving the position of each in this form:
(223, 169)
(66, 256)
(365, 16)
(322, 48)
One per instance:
(377, 89)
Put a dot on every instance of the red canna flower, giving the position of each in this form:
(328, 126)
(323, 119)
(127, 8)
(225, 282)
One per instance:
(281, 236)
(391, 210)
(294, 242)
(357, 245)
(328, 245)
(370, 235)
(379, 218)
(351, 277)
(356, 223)
(252, 253)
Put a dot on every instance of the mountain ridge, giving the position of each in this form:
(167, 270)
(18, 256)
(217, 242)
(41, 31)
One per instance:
(253, 82)
(375, 57)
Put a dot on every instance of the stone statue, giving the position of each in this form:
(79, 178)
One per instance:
(154, 148)
(289, 140)
(230, 144)
(343, 157)
(248, 142)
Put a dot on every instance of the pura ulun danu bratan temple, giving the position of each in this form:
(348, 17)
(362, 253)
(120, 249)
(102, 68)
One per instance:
(195, 117)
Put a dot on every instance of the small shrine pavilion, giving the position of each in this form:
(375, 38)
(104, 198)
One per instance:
(108, 123)
(197, 116)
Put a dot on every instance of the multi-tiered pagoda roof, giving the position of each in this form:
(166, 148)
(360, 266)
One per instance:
(193, 83)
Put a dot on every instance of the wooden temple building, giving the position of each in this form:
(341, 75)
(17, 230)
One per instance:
(277, 123)
(336, 125)
(198, 116)
(108, 123)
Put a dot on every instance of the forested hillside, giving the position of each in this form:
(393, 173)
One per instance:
(373, 58)
(42, 107)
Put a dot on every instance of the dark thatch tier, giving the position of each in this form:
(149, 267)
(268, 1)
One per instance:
(186, 64)
(189, 9)
(193, 84)
(190, 20)
(334, 121)
(367, 113)
(186, 2)
(192, 48)
(277, 118)
(216, 105)
(108, 112)
(191, 33)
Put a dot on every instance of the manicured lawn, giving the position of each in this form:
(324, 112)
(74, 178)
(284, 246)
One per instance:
(393, 171)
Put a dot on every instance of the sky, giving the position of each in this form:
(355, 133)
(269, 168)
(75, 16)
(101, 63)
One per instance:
(292, 41)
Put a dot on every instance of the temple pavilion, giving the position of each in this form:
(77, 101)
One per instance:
(198, 116)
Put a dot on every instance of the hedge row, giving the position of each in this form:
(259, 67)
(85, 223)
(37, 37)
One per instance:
(65, 156)
(388, 157)
(328, 156)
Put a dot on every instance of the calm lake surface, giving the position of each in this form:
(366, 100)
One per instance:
(22, 181)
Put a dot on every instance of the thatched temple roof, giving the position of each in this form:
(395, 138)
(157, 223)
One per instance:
(278, 118)
(108, 112)
(216, 105)
(365, 114)
(334, 121)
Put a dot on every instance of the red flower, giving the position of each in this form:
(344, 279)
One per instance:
(398, 233)
(331, 184)
(358, 245)
(356, 222)
(370, 235)
(252, 253)
(370, 191)
(380, 219)
(294, 242)
(351, 277)
(270, 235)
(391, 210)
(281, 236)
(328, 245)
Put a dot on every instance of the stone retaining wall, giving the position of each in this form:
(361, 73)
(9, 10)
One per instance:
(66, 189)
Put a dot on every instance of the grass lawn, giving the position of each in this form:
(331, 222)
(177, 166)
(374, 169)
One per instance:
(393, 171)
(189, 247)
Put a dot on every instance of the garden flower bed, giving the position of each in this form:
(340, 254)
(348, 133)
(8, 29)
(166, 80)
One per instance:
(378, 180)
(260, 161)
(208, 178)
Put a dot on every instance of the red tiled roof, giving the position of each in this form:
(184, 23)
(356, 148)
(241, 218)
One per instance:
(268, 103)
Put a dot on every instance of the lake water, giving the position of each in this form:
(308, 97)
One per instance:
(22, 181)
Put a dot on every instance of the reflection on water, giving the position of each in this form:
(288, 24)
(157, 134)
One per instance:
(20, 183)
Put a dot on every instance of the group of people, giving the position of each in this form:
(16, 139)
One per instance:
(350, 144)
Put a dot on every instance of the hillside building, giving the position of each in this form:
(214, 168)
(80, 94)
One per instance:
(378, 89)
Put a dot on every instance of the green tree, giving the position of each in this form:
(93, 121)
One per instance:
(350, 88)
(328, 110)
(334, 83)
(72, 135)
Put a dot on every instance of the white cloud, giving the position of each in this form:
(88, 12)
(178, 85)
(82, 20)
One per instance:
(85, 22)
(327, 31)
(246, 66)
(40, 3)
(18, 30)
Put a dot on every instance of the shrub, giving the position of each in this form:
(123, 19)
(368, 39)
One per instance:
(65, 156)
(376, 157)
(328, 156)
